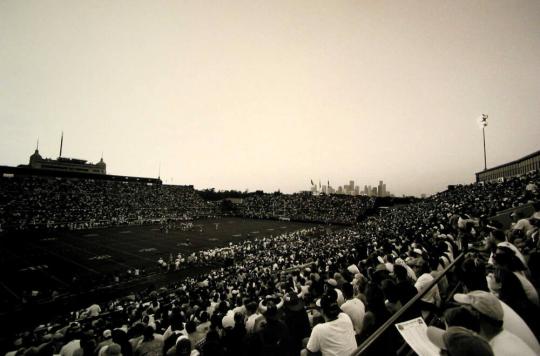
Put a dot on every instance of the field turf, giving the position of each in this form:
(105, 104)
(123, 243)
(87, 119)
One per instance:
(50, 260)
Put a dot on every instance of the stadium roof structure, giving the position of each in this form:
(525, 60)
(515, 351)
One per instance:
(6, 171)
(519, 166)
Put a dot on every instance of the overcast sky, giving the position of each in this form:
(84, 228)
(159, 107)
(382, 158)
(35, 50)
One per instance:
(270, 94)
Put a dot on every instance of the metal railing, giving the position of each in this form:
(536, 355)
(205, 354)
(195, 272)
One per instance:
(390, 322)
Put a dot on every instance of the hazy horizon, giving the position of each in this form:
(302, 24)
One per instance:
(270, 95)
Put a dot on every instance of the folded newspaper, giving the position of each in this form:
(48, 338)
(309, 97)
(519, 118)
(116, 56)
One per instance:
(414, 333)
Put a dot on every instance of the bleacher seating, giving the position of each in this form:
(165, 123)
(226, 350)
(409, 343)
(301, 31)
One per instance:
(253, 307)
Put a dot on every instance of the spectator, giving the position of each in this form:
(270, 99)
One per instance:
(272, 337)
(459, 341)
(297, 320)
(336, 335)
(490, 315)
(151, 343)
(353, 307)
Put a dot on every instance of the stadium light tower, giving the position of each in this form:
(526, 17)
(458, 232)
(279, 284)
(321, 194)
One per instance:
(483, 122)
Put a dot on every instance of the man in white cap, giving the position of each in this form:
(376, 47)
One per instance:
(497, 238)
(490, 315)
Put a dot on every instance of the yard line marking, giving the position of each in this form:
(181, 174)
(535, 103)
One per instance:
(40, 271)
(113, 260)
(120, 251)
(66, 259)
(9, 290)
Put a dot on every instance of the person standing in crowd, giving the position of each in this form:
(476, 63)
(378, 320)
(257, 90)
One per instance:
(296, 319)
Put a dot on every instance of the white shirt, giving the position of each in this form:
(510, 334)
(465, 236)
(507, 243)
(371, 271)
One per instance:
(250, 322)
(523, 225)
(340, 297)
(513, 323)
(432, 296)
(505, 343)
(241, 309)
(93, 310)
(529, 289)
(333, 338)
(356, 310)
(69, 348)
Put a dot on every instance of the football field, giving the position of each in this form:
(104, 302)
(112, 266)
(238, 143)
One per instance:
(51, 260)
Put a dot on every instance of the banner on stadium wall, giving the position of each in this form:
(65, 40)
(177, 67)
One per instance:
(297, 268)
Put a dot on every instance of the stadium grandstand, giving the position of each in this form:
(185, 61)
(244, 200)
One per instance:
(320, 289)
(517, 167)
(43, 200)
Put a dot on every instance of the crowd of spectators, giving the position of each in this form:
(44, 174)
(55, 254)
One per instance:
(29, 203)
(339, 209)
(318, 290)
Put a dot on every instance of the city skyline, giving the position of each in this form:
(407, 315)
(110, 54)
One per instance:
(351, 189)
(255, 95)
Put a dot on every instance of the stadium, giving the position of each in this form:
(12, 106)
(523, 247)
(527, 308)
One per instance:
(204, 227)
(83, 253)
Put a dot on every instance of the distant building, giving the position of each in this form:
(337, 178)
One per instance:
(65, 164)
(351, 187)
